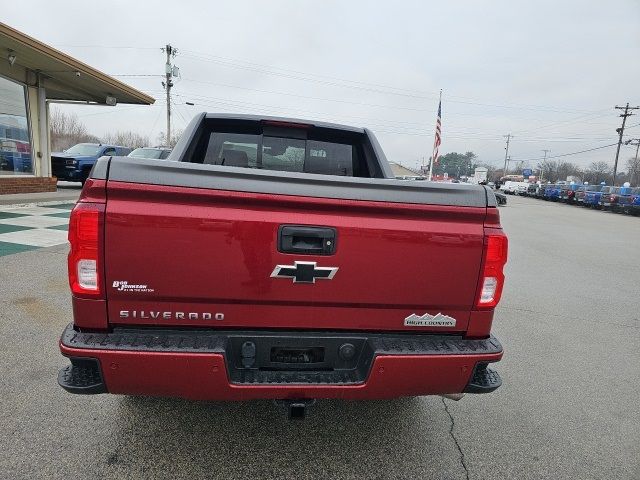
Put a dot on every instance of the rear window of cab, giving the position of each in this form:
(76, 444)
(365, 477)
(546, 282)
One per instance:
(279, 153)
(278, 146)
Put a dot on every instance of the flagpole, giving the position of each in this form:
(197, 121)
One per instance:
(434, 144)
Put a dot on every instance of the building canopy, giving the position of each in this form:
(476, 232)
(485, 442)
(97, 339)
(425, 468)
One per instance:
(27, 60)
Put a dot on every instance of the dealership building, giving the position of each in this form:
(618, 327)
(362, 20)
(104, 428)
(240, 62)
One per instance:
(33, 75)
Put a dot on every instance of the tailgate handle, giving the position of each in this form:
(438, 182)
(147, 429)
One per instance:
(306, 240)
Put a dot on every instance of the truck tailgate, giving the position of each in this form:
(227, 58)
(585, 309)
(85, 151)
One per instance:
(181, 256)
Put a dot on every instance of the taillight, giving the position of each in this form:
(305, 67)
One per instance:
(85, 232)
(494, 259)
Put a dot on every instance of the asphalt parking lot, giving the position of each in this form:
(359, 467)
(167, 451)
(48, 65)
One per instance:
(569, 406)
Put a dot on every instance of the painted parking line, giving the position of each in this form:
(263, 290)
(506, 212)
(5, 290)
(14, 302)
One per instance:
(29, 227)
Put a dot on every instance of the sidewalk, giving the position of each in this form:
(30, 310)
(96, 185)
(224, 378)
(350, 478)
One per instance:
(28, 227)
(67, 192)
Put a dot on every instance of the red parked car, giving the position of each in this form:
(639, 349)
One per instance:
(271, 258)
(609, 200)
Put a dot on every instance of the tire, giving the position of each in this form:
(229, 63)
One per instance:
(84, 176)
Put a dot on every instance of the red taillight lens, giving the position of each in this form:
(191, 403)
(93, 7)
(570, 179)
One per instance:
(84, 257)
(494, 259)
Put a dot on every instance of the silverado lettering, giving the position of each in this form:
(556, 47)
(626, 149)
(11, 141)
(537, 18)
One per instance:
(254, 216)
(170, 315)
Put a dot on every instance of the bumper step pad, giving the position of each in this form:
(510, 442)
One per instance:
(83, 376)
(484, 380)
(277, 358)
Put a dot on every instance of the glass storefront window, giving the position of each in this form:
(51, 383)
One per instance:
(15, 142)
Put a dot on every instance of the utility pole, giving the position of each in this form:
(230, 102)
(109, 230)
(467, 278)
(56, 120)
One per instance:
(506, 153)
(543, 162)
(620, 133)
(167, 84)
(636, 142)
(506, 162)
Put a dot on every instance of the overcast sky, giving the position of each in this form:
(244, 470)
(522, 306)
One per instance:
(549, 72)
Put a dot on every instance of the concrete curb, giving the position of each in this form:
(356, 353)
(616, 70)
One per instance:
(37, 204)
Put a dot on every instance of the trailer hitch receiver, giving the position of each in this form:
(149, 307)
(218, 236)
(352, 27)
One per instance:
(296, 409)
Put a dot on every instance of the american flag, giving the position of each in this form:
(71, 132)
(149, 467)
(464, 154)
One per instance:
(436, 143)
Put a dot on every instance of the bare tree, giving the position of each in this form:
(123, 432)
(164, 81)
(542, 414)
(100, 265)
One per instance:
(598, 172)
(548, 170)
(126, 139)
(175, 136)
(66, 130)
(568, 169)
(633, 166)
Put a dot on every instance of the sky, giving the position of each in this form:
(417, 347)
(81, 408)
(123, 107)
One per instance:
(547, 72)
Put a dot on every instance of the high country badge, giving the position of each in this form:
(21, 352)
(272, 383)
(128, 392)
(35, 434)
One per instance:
(426, 320)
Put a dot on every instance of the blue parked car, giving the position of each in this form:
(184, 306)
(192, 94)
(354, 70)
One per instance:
(592, 197)
(75, 163)
(15, 161)
(631, 203)
(553, 192)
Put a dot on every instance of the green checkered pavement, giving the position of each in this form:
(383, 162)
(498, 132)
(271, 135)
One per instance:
(30, 227)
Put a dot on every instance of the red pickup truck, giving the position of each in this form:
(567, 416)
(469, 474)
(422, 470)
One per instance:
(271, 258)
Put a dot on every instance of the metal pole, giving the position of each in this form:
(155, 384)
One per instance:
(632, 171)
(168, 88)
(434, 142)
(43, 125)
(543, 161)
(621, 133)
(635, 163)
(506, 154)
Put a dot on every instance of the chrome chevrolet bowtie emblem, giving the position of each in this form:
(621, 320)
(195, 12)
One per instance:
(304, 272)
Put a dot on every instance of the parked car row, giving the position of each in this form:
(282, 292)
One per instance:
(75, 163)
(604, 197)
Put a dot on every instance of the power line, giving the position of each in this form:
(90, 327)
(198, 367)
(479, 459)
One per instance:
(323, 99)
(298, 75)
(569, 154)
(419, 127)
(244, 63)
(385, 126)
(598, 114)
(180, 113)
(291, 73)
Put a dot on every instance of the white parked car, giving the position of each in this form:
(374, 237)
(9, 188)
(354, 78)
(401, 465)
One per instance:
(509, 187)
(521, 188)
